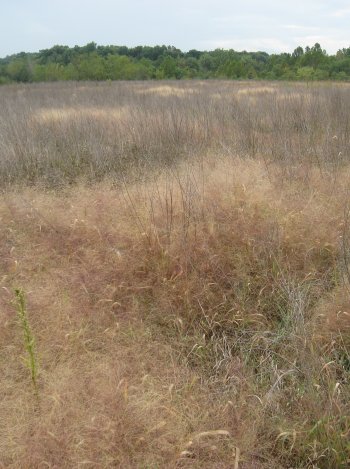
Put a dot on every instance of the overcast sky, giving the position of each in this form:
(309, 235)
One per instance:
(268, 25)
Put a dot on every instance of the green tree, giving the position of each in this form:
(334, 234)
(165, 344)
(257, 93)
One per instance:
(19, 70)
(91, 67)
(169, 68)
(305, 73)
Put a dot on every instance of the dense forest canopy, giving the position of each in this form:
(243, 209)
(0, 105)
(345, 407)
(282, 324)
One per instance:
(95, 62)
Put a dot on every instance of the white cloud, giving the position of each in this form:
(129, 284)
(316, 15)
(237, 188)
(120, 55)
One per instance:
(271, 25)
(254, 44)
(341, 13)
(34, 27)
(298, 27)
(331, 44)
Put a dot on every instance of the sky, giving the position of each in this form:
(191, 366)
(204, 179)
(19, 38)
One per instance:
(252, 25)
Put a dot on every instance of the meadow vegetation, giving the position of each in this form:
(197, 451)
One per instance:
(183, 250)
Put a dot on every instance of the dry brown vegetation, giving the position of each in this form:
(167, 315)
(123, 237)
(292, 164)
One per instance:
(184, 254)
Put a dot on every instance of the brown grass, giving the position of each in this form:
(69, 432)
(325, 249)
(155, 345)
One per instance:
(56, 134)
(193, 316)
(45, 116)
(166, 90)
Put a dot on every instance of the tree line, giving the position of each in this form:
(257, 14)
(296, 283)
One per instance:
(97, 62)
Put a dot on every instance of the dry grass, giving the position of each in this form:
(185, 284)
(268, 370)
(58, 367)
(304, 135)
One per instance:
(46, 116)
(257, 90)
(57, 134)
(196, 315)
(165, 90)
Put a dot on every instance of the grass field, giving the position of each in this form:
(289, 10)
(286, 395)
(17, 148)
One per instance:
(183, 249)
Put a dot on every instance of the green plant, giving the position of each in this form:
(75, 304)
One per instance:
(29, 341)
